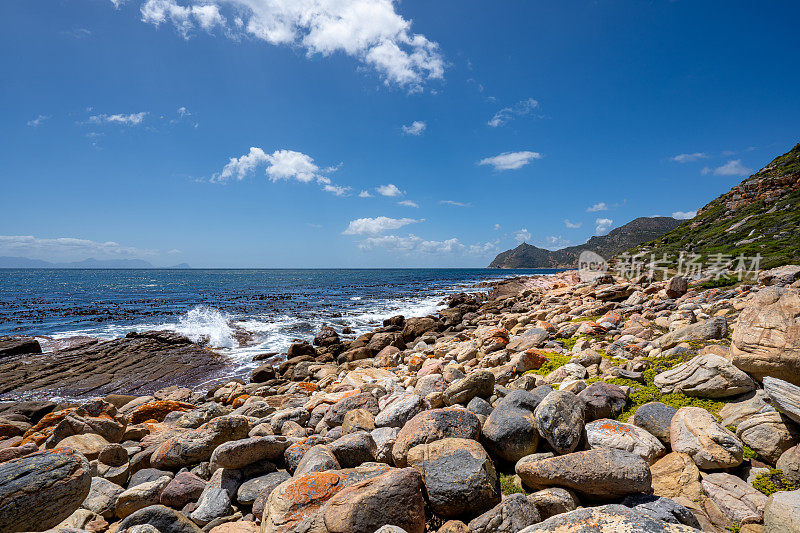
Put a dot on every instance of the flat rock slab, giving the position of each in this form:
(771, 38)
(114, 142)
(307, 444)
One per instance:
(140, 363)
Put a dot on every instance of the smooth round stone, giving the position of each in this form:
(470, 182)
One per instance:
(656, 418)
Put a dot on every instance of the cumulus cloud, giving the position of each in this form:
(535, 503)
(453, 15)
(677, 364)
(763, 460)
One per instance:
(416, 128)
(554, 242)
(373, 226)
(389, 189)
(522, 235)
(601, 206)
(572, 225)
(412, 244)
(684, 215)
(66, 248)
(279, 165)
(524, 107)
(731, 168)
(497, 227)
(38, 121)
(454, 203)
(688, 158)
(510, 160)
(132, 119)
(407, 203)
(602, 225)
(364, 194)
(371, 31)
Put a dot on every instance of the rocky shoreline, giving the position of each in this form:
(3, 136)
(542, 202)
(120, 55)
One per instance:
(550, 405)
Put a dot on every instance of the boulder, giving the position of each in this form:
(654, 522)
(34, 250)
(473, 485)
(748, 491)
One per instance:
(510, 430)
(384, 439)
(603, 400)
(738, 500)
(656, 418)
(781, 276)
(713, 328)
(89, 444)
(533, 338)
(163, 519)
(602, 473)
(705, 376)
(432, 425)
(318, 459)
(477, 383)
(676, 287)
(334, 416)
(459, 476)
(326, 336)
(184, 488)
(102, 497)
(401, 409)
(217, 497)
(141, 496)
(675, 476)
(782, 512)
(40, 490)
(607, 519)
(607, 433)
(553, 500)
(240, 453)
(358, 420)
(769, 434)
(353, 449)
(662, 508)
(789, 464)
(393, 498)
(295, 504)
(416, 327)
(559, 419)
(195, 446)
(265, 485)
(766, 339)
(695, 432)
(514, 513)
(784, 395)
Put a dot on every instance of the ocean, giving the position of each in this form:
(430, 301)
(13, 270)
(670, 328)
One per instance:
(238, 312)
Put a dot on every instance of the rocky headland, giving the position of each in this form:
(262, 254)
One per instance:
(550, 405)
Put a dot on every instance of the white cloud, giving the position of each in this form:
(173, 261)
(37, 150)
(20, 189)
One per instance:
(555, 242)
(183, 112)
(389, 190)
(373, 226)
(485, 248)
(416, 128)
(688, 158)
(369, 30)
(601, 206)
(572, 225)
(279, 165)
(522, 235)
(523, 107)
(66, 248)
(684, 215)
(497, 227)
(412, 244)
(38, 121)
(454, 203)
(407, 203)
(602, 225)
(132, 119)
(731, 168)
(510, 160)
(364, 194)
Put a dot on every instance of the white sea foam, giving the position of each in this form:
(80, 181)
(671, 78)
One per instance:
(207, 325)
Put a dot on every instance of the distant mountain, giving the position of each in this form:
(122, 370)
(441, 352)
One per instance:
(761, 215)
(635, 232)
(24, 262)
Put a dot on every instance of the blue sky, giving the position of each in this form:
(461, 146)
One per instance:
(278, 133)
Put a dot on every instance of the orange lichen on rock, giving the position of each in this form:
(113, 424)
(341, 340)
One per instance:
(157, 410)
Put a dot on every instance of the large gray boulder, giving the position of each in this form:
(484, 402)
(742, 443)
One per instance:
(607, 519)
(40, 490)
(477, 383)
(695, 432)
(607, 433)
(514, 513)
(656, 418)
(705, 376)
(164, 519)
(510, 430)
(782, 512)
(713, 328)
(602, 473)
(459, 476)
(737, 500)
(102, 497)
(559, 419)
(785, 396)
(432, 425)
(195, 446)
